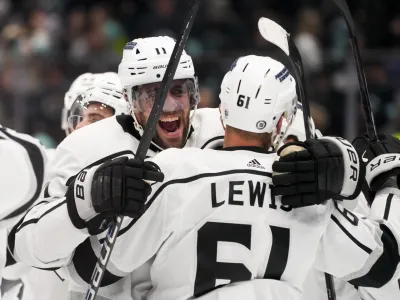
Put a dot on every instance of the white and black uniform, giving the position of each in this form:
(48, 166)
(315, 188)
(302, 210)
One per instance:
(42, 238)
(215, 220)
(22, 161)
(315, 285)
(22, 167)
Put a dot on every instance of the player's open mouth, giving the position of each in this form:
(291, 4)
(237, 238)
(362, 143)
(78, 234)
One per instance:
(170, 125)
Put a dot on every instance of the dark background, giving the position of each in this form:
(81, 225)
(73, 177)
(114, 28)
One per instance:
(45, 44)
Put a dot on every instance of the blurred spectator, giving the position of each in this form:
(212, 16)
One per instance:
(207, 98)
(306, 39)
(45, 44)
(381, 94)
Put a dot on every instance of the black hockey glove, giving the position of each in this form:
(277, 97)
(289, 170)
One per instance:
(382, 172)
(117, 187)
(317, 170)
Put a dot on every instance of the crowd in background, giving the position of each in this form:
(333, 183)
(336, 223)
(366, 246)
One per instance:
(45, 44)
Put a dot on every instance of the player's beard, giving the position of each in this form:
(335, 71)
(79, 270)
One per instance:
(161, 136)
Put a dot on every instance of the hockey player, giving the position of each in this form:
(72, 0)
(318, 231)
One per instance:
(315, 286)
(80, 85)
(73, 110)
(102, 99)
(141, 71)
(22, 167)
(215, 218)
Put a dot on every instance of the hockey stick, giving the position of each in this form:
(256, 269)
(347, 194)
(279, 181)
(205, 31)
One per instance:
(366, 103)
(275, 34)
(144, 145)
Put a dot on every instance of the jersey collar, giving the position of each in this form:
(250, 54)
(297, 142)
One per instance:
(248, 148)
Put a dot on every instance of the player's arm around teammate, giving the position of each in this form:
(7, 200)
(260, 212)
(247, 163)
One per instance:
(362, 251)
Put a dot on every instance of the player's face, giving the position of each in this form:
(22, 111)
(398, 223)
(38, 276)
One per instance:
(95, 112)
(173, 126)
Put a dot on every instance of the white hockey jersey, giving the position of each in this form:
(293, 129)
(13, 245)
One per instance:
(22, 168)
(215, 220)
(315, 285)
(42, 237)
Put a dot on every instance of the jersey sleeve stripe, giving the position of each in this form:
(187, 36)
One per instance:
(385, 267)
(37, 160)
(21, 224)
(362, 246)
(387, 206)
(46, 190)
(11, 236)
(32, 221)
(84, 261)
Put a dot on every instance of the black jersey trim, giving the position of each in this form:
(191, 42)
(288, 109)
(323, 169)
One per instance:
(190, 179)
(248, 148)
(221, 137)
(46, 190)
(81, 258)
(362, 246)
(11, 236)
(35, 220)
(84, 261)
(387, 206)
(204, 175)
(36, 158)
(385, 267)
(127, 124)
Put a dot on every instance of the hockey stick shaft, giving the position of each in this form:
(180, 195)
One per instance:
(298, 63)
(144, 145)
(275, 34)
(366, 103)
(330, 287)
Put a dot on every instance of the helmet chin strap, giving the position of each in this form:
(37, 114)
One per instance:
(139, 128)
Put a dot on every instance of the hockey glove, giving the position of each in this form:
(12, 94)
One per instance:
(381, 172)
(116, 187)
(319, 170)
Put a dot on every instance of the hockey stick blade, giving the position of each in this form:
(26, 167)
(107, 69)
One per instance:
(365, 99)
(144, 145)
(275, 34)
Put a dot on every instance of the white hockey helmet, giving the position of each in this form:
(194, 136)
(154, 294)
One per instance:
(80, 84)
(106, 91)
(145, 61)
(255, 93)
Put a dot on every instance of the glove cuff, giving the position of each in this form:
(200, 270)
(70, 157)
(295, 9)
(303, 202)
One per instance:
(79, 199)
(354, 170)
(381, 168)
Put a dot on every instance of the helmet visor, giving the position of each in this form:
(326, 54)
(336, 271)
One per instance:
(87, 112)
(183, 94)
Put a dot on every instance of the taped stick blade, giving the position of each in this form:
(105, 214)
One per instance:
(274, 33)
